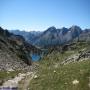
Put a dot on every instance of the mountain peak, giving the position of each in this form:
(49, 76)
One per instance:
(52, 28)
(74, 27)
(64, 30)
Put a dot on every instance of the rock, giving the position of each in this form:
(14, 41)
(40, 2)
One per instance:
(82, 55)
(54, 71)
(65, 83)
(89, 85)
(10, 70)
(75, 82)
(35, 77)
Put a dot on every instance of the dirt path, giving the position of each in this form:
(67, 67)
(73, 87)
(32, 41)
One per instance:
(23, 85)
(21, 81)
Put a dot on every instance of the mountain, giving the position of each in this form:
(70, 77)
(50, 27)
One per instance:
(15, 52)
(75, 31)
(85, 35)
(53, 36)
(29, 36)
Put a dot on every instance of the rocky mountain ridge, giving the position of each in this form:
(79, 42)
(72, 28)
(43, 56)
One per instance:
(54, 36)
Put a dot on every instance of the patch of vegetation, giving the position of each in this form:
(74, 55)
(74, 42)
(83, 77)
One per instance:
(63, 77)
(54, 76)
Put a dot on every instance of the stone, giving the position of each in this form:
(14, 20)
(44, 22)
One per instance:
(75, 82)
(35, 77)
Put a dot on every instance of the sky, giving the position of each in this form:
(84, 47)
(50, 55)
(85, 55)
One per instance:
(38, 15)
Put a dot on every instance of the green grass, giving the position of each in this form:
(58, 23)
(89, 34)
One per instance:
(4, 75)
(63, 77)
(65, 74)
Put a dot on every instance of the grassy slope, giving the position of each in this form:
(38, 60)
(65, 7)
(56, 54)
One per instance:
(64, 75)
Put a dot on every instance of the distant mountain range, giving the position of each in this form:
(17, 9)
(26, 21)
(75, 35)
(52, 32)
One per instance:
(54, 36)
(29, 36)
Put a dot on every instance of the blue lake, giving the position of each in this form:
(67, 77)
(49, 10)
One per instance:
(35, 57)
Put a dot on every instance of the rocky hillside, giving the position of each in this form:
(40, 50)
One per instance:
(69, 70)
(15, 52)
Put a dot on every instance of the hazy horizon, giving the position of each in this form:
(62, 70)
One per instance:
(38, 15)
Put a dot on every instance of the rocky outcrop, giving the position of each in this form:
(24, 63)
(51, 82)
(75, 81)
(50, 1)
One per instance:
(82, 55)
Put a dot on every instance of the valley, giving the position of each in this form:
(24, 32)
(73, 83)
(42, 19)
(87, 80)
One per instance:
(44, 44)
(25, 66)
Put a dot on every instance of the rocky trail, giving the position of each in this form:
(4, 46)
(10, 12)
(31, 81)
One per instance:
(24, 83)
(21, 81)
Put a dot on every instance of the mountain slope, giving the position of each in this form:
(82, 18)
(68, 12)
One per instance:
(14, 51)
(64, 71)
